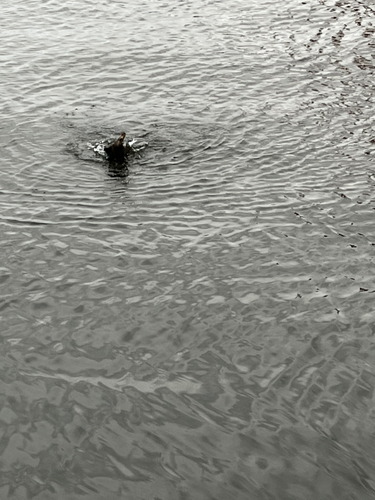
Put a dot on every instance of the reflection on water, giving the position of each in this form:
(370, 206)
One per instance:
(199, 324)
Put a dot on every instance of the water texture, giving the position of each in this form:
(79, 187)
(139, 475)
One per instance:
(201, 325)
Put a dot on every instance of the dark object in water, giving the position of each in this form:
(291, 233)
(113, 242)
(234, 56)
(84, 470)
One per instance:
(117, 151)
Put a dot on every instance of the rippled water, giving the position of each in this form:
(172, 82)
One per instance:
(201, 326)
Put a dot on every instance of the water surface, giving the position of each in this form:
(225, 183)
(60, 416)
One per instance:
(201, 328)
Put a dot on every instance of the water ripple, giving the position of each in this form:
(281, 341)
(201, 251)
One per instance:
(199, 324)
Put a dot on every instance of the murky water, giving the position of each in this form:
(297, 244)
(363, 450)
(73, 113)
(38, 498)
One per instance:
(201, 326)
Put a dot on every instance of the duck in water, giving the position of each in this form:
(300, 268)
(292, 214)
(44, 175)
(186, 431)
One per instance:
(118, 150)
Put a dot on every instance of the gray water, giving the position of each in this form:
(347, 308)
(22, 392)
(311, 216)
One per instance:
(200, 326)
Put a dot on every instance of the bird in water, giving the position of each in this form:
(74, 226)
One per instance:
(118, 150)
